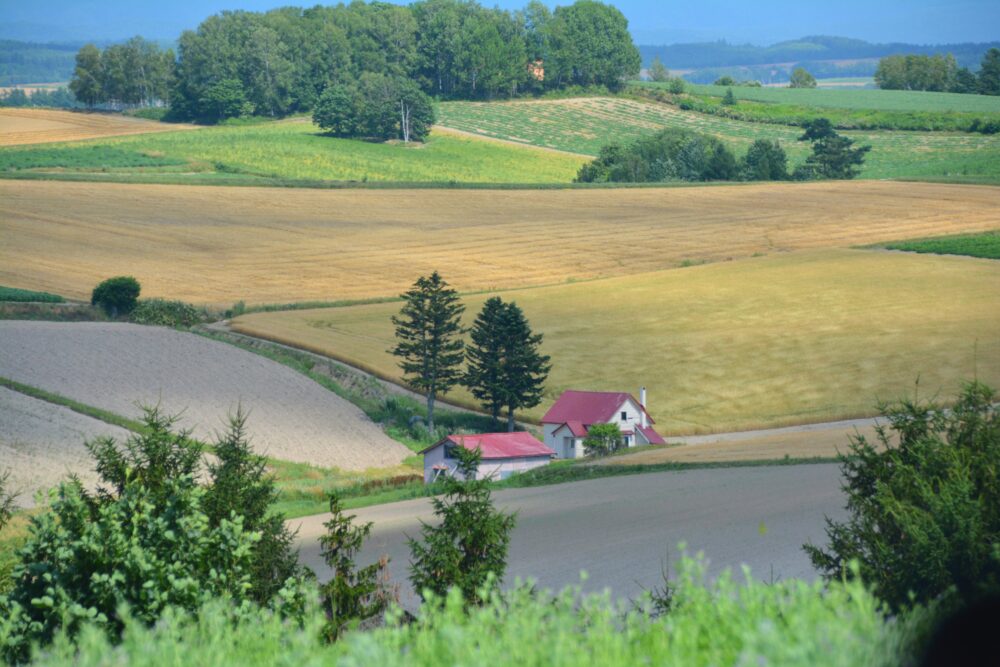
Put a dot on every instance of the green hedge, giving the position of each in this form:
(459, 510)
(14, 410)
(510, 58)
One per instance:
(165, 313)
(23, 295)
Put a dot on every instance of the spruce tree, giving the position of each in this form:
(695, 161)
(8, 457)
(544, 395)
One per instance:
(241, 485)
(352, 594)
(484, 373)
(430, 346)
(471, 541)
(524, 368)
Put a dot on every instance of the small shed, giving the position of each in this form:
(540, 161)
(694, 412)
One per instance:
(503, 454)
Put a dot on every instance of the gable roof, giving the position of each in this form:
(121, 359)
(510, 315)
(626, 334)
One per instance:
(575, 427)
(651, 435)
(518, 444)
(588, 407)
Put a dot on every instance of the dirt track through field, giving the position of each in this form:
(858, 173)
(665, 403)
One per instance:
(118, 367)
(42, 443)
(43, 126)
(265, 245)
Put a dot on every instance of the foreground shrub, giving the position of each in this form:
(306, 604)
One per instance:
(923, 503)
(790, 623)
(116, 296)
(149, 539)
(166, 313)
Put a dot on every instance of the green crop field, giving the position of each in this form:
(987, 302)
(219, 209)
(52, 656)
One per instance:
(791, 338)
(295, 150)
(985, 245)
(584, 125)
(23, 295)
(875, 99)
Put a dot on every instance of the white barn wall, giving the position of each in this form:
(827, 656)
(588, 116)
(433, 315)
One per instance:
(492, 468)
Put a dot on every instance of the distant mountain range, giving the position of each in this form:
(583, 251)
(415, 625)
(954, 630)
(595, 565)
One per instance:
(812, 48)
(822, 55)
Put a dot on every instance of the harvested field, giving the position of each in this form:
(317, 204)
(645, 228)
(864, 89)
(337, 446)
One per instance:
(117, 367)
(42, 443)
(218, 245)
(795, 338)
(42, 126)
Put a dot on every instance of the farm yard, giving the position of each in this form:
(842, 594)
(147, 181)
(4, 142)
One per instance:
(294, 149)
(217, 245)
(790, 338)
(120, 367)
(41, 443)
(40, 126)
(584, 125)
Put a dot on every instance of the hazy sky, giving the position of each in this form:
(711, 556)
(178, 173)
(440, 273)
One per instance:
(651, 21)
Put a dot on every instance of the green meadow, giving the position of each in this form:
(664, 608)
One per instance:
(295, 150)
(584, 125)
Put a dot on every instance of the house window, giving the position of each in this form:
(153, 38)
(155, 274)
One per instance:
(624, 416)
(449, 451)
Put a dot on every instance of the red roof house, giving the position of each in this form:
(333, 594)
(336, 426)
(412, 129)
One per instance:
(569, 419)
(503, 454)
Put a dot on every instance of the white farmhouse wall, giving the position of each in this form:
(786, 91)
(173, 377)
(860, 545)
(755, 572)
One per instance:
(632, 421)
(550, 439)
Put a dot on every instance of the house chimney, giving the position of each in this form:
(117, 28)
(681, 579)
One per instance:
(642, 401)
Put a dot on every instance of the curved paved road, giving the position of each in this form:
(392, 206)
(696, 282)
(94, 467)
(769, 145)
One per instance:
(622, 529)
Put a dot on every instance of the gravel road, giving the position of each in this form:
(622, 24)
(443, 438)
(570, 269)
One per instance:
(117, 367)
(621, 530)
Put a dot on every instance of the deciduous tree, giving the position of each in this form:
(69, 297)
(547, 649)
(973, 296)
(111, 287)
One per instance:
(923, 503)
(602, 439)
(801, 78)
(86, 81)
(658, 71)
(116, 296)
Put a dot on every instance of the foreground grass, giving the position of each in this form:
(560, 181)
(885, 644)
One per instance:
(584, 125)
(795, 338)
(727, 621)
(986, 245)
(293, 150)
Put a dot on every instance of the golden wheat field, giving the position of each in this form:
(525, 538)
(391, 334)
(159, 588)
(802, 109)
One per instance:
(42, 126)
(218, 245)
(798, 337)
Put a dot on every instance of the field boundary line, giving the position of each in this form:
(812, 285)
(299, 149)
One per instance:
(444, 129)
(80, 408)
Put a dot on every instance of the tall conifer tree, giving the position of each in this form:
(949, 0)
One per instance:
(429, 334)
(525, 368)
